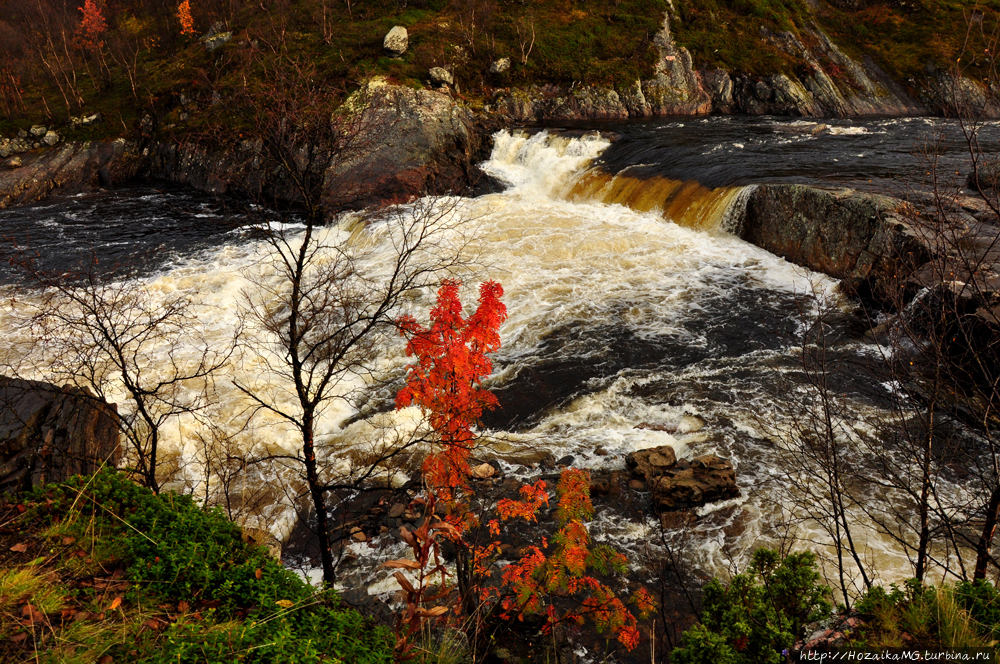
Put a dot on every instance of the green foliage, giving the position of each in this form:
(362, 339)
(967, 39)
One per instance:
(966, 615)
(251, 609)
(758, 614)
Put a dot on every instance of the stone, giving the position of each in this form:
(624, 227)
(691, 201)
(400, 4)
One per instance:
(22, 133)
(651, 463)
(38, 130)
(396, 511)
(50, 138)
(5, 150)
(707, 479)
(264, 538)
(566, 460)
(396, 41)
(359, 536)
(50, 433)
(637, 485)
(441, 76)
(483, 471)
(500, 66)
(214, 41)
(13, 163)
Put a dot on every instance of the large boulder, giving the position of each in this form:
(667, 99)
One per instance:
(706, 479)
(396, 41)
(685, 484)
(48, 433)
(863, 239)
(652, 463)
(70, 169)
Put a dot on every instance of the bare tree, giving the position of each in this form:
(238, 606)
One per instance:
(110, 333)
(323, 303)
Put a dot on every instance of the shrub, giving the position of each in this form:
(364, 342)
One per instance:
(758, 614)
(251, 609)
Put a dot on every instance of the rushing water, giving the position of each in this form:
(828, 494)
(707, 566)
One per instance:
(629, 304)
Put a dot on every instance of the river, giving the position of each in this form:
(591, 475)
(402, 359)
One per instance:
(630, 305)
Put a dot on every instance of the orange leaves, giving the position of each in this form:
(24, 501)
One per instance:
(92, 26)
(184, 16)
(445, 381)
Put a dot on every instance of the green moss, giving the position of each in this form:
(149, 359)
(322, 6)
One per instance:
(209, 596)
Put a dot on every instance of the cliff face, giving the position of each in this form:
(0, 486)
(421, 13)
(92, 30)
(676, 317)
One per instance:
(830, 84)
(423, 142)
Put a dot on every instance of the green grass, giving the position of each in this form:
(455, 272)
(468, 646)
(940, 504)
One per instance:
(112, 569)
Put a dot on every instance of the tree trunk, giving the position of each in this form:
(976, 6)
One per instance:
(319, 503)
(986, 539)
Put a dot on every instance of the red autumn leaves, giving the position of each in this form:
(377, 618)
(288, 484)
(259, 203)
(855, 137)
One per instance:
(446, 383)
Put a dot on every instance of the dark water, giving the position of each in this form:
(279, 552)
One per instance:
(144, 226)
(139, 227)
(887, 155)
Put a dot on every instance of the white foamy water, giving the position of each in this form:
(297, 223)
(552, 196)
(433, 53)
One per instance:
(672, 326)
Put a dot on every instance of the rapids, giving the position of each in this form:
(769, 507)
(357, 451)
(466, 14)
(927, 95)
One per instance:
(629, 305)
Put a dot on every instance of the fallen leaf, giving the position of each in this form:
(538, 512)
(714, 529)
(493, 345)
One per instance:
(19, 548)
(68, 540)
(285, 603)
(22, 509)
(258, 573)
(432, 613)
(31, 614)
(153, 624)
(106, 659)
(404, 564)
(183, 606)
(115, 603)
(17, 638)
(81, 615)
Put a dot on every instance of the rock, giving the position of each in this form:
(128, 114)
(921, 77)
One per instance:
(637, 485)
(396, 511)
(441, 76)
(359, 536)
(566, 460)
(483, 471)
(708, 479)
(50, 138)
(651, 463)
(5, 149)
(500, 66)
(13, 163)
(48, 433)
(70, 169)
(863, 239)
(214, 41)
(396, 41)
(38, 131)
(22, 133)
(264, 538)
(985, 177)
(677, 520)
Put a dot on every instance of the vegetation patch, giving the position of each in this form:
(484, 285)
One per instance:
(101, 569)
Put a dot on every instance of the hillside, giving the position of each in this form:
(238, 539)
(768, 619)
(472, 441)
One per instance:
(845, 57)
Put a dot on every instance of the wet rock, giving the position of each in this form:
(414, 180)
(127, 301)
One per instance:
(396, 41)
(483, 471)
(500, 66)
(441, 76)
(651, 463)
(396, 511)
(50, 138)
(48, 433)
(73, 168)
(637, 485)
(677, 520)
(566, 460)
(13, 163)
(38, 130)
(709, 478)
(863, 239)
